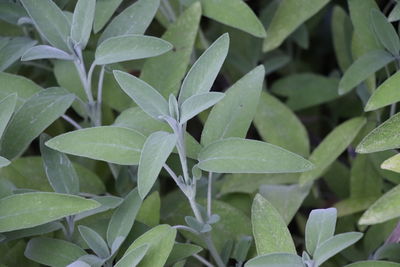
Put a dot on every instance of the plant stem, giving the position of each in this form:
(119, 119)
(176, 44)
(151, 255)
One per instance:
(202, 260)
(71, 121)
(209, 194)
(99, 97)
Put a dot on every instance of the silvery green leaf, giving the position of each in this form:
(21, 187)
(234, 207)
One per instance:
(11, 12)
(82, 22)
(79, 263)
(145, 96)
(342, 30)
(234, 13)
(165, 72)
(173, 107)
(4, 162)
(204, 71)
(269, 229)
(198, 103)
(320, 227)
(53, 252)
(160, 240)
(237, 155)
(122, 219)
(331, 147)
(385, 32)
(104, 11)
(13, 50)
(382, 138)
(35, 115)
(276, 260)
(384, 209)
(362, 68)
(7, 106)
(232, 116)
(281, 27)
(129, 47)
(59, 169)
(394, 14)
(334, 245)
(37, 230)
(44, 52)
(11, 83)
(50, 21)
(156, 150)
(141, 11)
(108, 143)
(386, 94)
(242, 248)
(94, 241)
(32, 209)
(133, 257)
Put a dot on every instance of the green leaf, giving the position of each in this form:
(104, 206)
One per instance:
(385, 32)
(232, 116)
(277, 196)
(149, 212)
(120, 48)
(384, 209)
(392, 164)
(35, 115)
(44, 52)
(394, 14)
(362, 68)
(108, 143)
(82, 22)
(353, 205)
(122, 220)
(133, 258)
(156, 150)
(50, 21)
(373, 264)
(160, 240)
(284, 22)
(269, 229)
(198, 103)
(276, 260)
(34, 231)
(53, 252)
(59, 169)
(182, 251)
(4, 162)
(31, 209)
(143, 94)
(306, 90)
(236, 155)
(94, 241)
(166, 72)
(11, 83)
(278, 125)
(104, 11)
(331, 147)
(141, 11)
(13, 50)
(234, 13)
(342, 30)
(7, 106)
(204, 71)
(11, 12)
(334, 245)
(387, 93)
(382, 138)
(320, 227)
(365, 179)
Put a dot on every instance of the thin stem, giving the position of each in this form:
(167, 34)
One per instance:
(99, 97)
(186, 228)
(71, 121)
(202, 260)
(209, 194)
(213, 250)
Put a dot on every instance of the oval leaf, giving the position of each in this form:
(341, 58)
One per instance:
(145, 96)
(94, 241)
(156, 150)
(236, 155)
(7, 106)
(35, 115)
(121, 48)
(112, 144)
(385, 32)
(198, 103)
(82, 22)
(31, 209)
(133, 258)
(269, 229)
(386, 94)
(45, 51)
(392, 164)
(204, 71)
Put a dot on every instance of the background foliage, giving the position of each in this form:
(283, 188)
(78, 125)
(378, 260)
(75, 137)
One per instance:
(123, 130)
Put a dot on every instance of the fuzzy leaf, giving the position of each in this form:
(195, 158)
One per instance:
(385, 32)
(94, 241)
(198, 103)
(104, 11)
(31, 209)
(45, 51)
(133, 257)
(276, 260)
(112, 144)
(7, 106)
(387, 93)
(82, 22)
(237, 155)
